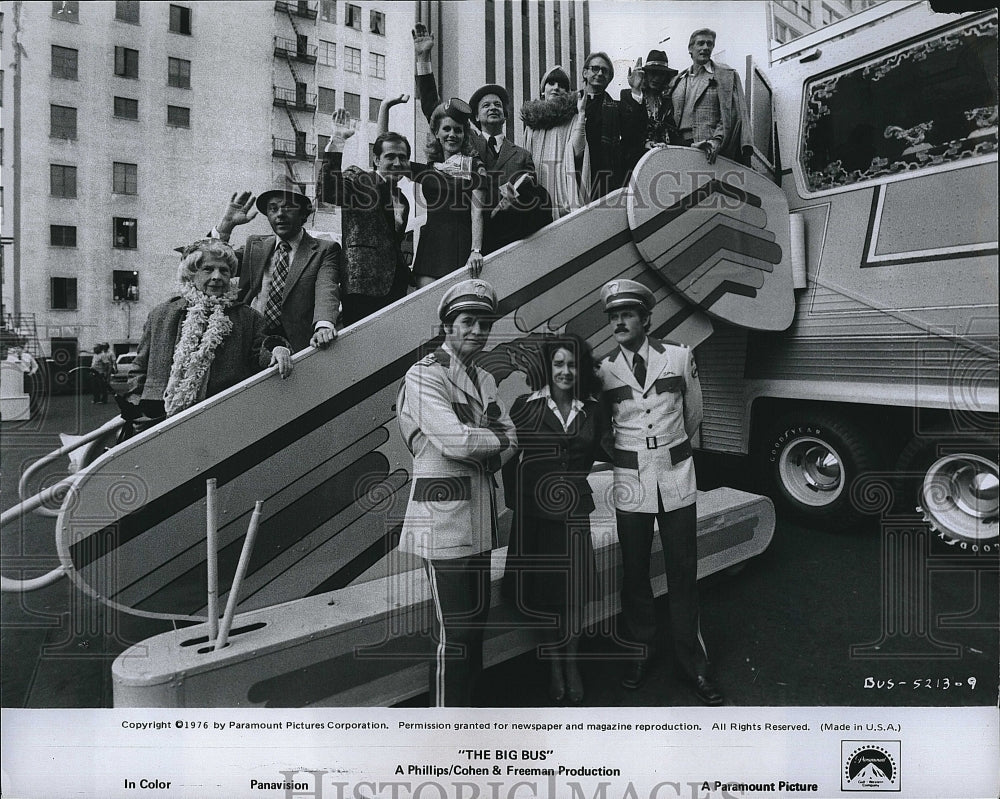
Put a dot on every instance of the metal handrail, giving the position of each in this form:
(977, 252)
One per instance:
(10, 585)
(65, 449)
(38, 502)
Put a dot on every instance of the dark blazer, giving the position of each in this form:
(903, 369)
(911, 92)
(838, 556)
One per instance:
(534, 208)
(638, 126)
(607, 151)
(373, 256)
(549, 477)
(311, 291)
(244, 352)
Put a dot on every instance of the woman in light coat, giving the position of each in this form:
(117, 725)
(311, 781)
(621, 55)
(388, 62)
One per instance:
(556, 137)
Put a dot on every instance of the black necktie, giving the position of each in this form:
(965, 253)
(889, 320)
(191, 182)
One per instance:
(471, 372)
(493, 144)
(639, 369)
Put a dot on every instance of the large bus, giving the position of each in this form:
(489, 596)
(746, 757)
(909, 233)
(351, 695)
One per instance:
(882, 131)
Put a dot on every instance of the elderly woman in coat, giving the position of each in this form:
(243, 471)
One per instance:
(555, 134)
(202, 340)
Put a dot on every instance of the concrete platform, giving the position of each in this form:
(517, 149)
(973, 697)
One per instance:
(369, 644)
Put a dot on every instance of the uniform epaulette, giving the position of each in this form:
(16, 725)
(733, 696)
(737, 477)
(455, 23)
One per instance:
(438, 356)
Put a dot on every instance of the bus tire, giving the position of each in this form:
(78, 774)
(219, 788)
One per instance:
(808, 461)
(953, 485)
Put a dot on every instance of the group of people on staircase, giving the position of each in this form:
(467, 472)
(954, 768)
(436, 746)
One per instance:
(238, 311)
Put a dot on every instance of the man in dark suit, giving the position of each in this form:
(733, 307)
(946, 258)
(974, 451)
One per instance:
(518, 205)
(372, 220)
(604, 128)
(290, 277)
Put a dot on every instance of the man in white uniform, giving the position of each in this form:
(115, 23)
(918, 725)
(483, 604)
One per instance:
(655, 397)
(457, 428)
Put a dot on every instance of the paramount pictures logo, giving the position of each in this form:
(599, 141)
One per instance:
(870, 766)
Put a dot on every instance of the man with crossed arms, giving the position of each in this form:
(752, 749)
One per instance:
(656, 407)
(458, 430)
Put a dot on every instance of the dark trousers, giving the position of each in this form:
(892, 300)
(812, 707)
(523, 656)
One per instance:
(460, 591)
(679, 534)
(355, 307)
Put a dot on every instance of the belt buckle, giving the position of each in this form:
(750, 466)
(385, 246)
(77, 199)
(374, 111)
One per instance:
(651, 442)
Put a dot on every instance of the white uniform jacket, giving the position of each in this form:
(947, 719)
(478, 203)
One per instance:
(653, 425)
(456, 434)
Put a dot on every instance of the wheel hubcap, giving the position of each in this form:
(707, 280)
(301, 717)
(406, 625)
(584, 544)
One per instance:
(812, 472)
(960, 496)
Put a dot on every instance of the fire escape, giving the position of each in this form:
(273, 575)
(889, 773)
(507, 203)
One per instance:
(296, 101)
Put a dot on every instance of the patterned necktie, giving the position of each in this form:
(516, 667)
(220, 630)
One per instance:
(272, 309)
(639, 369)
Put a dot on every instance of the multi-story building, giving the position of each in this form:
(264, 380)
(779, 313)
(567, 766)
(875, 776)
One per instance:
(790, 19)
(129, 125)
(509, 42)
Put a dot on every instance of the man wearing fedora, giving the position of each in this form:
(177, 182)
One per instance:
(656, 406)
(708, 104)
(648, 108)
(291, 278)
(457, 429)
(518, 204)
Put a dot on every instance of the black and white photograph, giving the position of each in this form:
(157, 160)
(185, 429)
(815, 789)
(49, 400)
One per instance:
(500, 399)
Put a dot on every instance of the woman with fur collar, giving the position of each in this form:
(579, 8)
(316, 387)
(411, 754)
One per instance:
(556, 137)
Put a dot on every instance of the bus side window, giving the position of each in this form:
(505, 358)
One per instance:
(933, 102)
(763, 131)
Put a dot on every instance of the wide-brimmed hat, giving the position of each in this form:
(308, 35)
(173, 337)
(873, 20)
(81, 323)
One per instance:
(657, 61)
(468, 295)
(489, 88)
(625, 293)
(282, 190)
(555, 75)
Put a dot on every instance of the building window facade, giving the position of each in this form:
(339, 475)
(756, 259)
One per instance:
(326, 53)
(352, 59)
(125, 178)
(62, 180)
(124, 285)
(352, 16)
(63, 122)
(62, 294)
(178, 116)
(327, 100)
(352, 103)
(179, 73)
(180, 20)
(124, 234)
(126, 108)
(377, 23)
(328, 10)
(374, 104)
(65, 62)
(376, 64)
(62, 235)
(126, 62)
(127, 11)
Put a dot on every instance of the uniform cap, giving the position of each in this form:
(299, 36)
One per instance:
(469, 295)
(622, 293)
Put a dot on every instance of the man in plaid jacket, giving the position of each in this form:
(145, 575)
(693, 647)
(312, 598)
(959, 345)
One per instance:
(708, 104)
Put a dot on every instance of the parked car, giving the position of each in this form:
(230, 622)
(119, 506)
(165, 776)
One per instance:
(123, 371)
